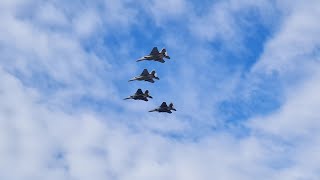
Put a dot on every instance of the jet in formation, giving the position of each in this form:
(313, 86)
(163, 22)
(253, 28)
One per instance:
(139, 95)
(155, 55)
(146, 76)
(164, 108)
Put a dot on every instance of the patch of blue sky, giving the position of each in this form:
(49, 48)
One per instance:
(123, 46)
(265, 97)
(253, 35)
(98, 105)
(204, 6)
(39, 79)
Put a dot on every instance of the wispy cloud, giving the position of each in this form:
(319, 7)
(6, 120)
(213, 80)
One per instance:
(245, 86)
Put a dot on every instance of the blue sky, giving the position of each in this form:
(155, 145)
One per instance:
(243, 76)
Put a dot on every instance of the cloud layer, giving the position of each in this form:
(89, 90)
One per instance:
(245, 88)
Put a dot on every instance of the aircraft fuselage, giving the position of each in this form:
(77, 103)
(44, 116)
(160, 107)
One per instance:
(155, 57)
(164, 110)
(144, 77)
(140, 97)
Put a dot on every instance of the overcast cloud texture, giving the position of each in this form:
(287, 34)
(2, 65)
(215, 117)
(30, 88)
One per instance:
(243, 75)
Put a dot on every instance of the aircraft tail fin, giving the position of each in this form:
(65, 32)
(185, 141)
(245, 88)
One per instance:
(153, 72)
(165, 53)
(172, 107)
(147, 94)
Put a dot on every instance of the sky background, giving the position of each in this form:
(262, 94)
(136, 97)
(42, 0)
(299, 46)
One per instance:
(243, 75)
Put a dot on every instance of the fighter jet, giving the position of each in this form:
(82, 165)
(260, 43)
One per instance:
(146, 76)
(156, 55)
(164, 108)
(139, 95)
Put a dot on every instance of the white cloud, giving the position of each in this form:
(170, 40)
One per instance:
(119, 15)
(41, 139)
(224, 20)
(87, 23)
(296, 41)
(298, 116)
(31, 50)
(48, 14)
(163, 11)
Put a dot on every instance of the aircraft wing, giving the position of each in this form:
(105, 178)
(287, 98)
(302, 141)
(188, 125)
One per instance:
(144, 73)
(164, 105)
(151, 80)
(154, 51)
(139, 92)
(160, 60)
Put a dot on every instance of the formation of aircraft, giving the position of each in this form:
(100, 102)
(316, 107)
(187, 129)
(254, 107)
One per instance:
(139, 95)
(155, 55)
